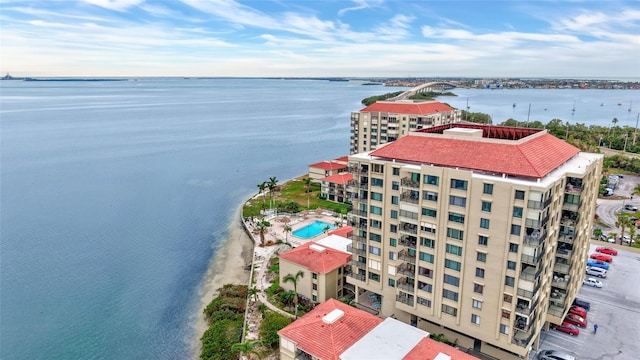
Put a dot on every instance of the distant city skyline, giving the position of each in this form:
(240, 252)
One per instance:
(359, 38)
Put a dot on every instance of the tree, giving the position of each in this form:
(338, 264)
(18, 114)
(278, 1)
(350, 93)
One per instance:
(269, 327)
(307, 189)
(262, 228)
(253, 293)
(248, 348)
(262, 187)
(271, 185)
(294, 279)
(326, 229)
(623, 223)
(287, 230)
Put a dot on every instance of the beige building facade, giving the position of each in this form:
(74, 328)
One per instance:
(480, 233)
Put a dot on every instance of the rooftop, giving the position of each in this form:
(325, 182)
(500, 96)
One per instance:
(405, 107)
(329, 165)
(336, 241)
(341, 179)
(317, 258)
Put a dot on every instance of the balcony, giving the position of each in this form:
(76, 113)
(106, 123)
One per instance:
(562, 267)
(532, 259)
(405, 299)
(408, 241)
(408, 182)
(412, 197)
(555, 310)
(358, 184)
(407, 270)
(361, 213)
(573, 207)
(572, 189)
(558, 296)
(358, 264)
(357, 250)
(356, 276)
(535, 238)
(530, 273)
(564, 253)
(408, 228)
(408, 287)
(567, 239)
(406, 256)
(525, 308)
(560, 281)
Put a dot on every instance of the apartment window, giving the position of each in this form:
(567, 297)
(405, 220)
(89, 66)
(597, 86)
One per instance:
(484, 223)
(425, 286)
(394, 214)
(374, 276)
(477, 304)
(376, 182)
(427, 227)
(395, 185)
(451, 280)
(458, 184)
(376, 196)
(314, 275)
(393, 255)
(426, 257)
(511, 265)
(375, 237)
(519, 195)
(481, 256)
(430, 195)
(427, 242)
(422, 271)
(487, 189)
(507, 298)
(504, 329)
(515, 229)
(452, 264)
(455, 217)
(396, 171)
(424, 302)
(431, 180)
(455, 234)
(478, 288)
(315, 286)
(457, 201)
(394, 200)
(374, 250)
(393, 242)
(429, 212)
(449, 310)
(517, 212)
(483, 240)
(509, 281)
(486, 206)
(376, 210)
(314, 298)
(392, 283)
(451, 295)
(480, 272)
(377, 224)
(455, 250)
(475, 319)
(506, 314)
(513, 247)
(393, 228)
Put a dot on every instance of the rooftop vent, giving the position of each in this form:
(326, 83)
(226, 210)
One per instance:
(317, 248)
(333, 316)
(442, 356)
(463, 132)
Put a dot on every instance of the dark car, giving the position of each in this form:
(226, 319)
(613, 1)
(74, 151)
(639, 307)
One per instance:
(554, 355)
(567, 328)
(581, 303)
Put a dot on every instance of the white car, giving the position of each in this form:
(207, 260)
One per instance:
(592, 282)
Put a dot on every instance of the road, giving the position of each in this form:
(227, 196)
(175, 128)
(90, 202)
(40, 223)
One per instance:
(608, 208)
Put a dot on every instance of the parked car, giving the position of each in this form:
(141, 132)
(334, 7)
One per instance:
(581, 303)
(596, 271)
(630, 207)
(607, 250)
(567, 327)
(601, 257)
(578, 311)
(627, 239)
(576, 320)
(598, 264)
(592, 282)
(554, 355)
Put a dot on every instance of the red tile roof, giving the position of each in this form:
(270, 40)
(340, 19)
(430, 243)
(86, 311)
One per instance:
(343, 159)
(428, 349)
(328, 165)
(420, 108)
(340, 179)
(344, 231)
(533, 156)
(327, 341)
(318, 262)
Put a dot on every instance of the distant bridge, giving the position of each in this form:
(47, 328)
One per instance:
(434, 86)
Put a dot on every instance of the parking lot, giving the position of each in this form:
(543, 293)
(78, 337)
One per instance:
(615, 308)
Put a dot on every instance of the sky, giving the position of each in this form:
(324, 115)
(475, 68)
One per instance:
(321, 38)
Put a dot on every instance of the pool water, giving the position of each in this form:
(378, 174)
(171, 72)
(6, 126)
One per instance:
(312, 230)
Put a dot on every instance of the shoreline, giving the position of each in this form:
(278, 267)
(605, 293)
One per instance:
(227, 266)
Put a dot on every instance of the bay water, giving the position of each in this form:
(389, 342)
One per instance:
(116, 195)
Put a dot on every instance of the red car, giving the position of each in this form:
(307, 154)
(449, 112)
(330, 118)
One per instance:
(607, 250)
(578, 311)
(567, 328)
(601, 257)
(576, 320)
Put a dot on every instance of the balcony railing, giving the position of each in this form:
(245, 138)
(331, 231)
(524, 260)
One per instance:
(358, 264)
(562, 268)
(407, 182)
(410, 288)
(532, 260)
(354, 275)
(361, 213)
(407, 271)
(571, 206)
(572, 189)
(560, 282)
(407, 300)
(408, 243)
(409, 198)
(409, 228)
(356, 250)
(536, 238)
(405, 256)
(564, 253)
(568, 239)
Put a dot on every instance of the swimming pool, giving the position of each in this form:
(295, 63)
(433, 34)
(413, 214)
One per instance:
(312, 230)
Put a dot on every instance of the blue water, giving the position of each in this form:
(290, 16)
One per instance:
(116, 195)
(312, 230)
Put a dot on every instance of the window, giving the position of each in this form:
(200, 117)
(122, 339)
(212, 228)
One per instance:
(376, 182)
(376, 210)
(509, 281)
(393, 242)
(422, 271)
(478, 288)
(477, 304)
(374, 277)
(428, 227)
(426, 257)
(451, 280)
(457, 201)
(427, 242)
(483, 240)
(480, 272)
(396, 171)
(376, 196)
(394, 200)
(425, 286)
(515, 229)
(431, 180)
(377, 224)
(486, 206)
(393, 255)
(519, 195)
(458, 184)
(451, 295)
(451, 264)
(487, 189)
(455, 250)
(429, 212)
(392, 283)
(395, 185)
(375, 237)
(481, 256)
(314, 298)
(314, 275)
(394, 214)
(511, 265)
(513, 247)
(315, 286)
(430, 195)
(374, 250)
(449, 310)
(517, 212)
(506, 314)
(507, 298)
(475, 319)
(393, 228)
(484, 223)
(424, 302)
(504, 329)
(455, 234)
(455, 217)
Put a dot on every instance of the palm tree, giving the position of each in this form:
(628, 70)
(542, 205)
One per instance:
(326, 229)
(262, 230)
(271, 185)
(307, 188)
(248, 348)
(294, 279)
(623, 223)
(253, 293)
(262, 187)
(287, 230)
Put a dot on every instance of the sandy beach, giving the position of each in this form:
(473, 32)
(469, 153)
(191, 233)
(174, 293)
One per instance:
(228, 266)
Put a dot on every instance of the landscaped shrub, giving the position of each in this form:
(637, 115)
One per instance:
(271, 324)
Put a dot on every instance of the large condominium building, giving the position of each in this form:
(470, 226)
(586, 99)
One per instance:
(476, 232)
(386, 121)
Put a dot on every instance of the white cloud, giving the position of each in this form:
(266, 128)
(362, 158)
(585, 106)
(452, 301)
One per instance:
(117, 5)
(361, 5)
